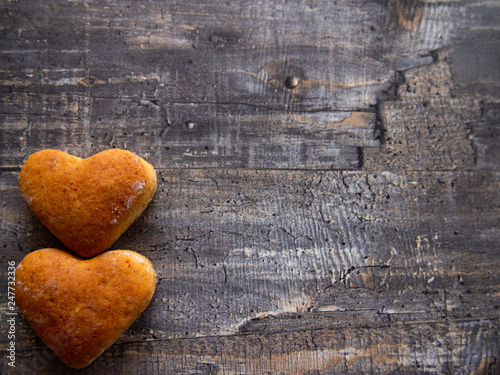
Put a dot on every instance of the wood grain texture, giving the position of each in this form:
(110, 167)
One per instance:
(323, 263)
(142, 70)
(346, 225)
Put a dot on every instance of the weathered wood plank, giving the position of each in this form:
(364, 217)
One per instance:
(426, 127)
(131, 49)
(343, 53)
(222, 135)
(467, 347)
(423, 348)
(152, 67)
(330, 246)
(269, 261)
(473, 66)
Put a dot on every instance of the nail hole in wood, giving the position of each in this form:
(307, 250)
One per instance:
(291, 82)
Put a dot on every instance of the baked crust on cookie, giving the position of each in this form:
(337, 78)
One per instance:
(79, 307)
(87, 203)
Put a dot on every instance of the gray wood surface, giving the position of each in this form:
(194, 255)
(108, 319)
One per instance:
(348, 224)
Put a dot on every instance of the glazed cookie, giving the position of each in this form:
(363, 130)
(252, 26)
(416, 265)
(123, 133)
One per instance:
(79, 307)
(87, 203)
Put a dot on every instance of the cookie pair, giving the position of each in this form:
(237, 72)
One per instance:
(80, 304)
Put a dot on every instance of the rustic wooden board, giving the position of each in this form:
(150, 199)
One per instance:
(324, 266)
(143, 70)
(349, 224)
(262, 138)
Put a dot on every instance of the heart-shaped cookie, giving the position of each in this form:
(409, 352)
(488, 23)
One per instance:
(79, 307)
(87, 203)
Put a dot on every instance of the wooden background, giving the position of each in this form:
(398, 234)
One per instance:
(347, 225)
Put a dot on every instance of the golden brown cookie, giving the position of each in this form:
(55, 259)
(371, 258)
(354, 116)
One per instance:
(87, 203)
(79, 307)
